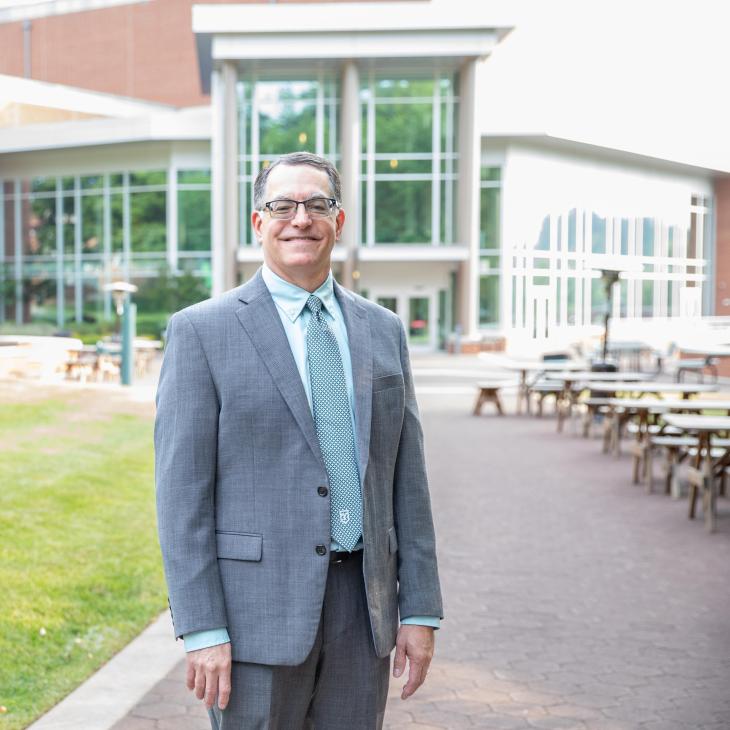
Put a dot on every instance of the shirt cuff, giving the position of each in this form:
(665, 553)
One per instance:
(203, 639)
(433, 621)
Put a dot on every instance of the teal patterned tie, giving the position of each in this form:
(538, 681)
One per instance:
(333, 422)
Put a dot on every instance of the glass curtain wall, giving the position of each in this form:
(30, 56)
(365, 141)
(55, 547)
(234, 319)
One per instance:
(409, 160)
(280, 116)
(62, 238)
(490, 194)
(662, 276)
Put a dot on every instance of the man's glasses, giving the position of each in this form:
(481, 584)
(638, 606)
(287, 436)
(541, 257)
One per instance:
(285, 209)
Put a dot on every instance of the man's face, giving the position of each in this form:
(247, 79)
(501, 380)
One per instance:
(299, 248)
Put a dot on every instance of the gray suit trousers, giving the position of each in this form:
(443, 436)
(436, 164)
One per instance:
(342, 684)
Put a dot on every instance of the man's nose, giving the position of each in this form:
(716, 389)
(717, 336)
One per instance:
(301, 216)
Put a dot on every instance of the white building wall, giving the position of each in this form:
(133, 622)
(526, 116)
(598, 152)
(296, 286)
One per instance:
(539, 188)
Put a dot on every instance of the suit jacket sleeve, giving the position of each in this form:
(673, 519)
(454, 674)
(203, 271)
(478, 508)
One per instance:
(419, 593)
(185, 466)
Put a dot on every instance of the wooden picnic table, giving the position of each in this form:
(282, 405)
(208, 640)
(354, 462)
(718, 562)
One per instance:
(621, 410)
(538, 368)
(703, 472)
(652, 388)
(579, 380)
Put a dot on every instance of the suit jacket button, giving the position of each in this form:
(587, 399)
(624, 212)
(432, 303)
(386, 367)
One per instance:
(321, 550)
(322, 491)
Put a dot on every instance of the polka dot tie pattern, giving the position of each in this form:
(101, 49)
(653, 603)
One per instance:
(333, 423)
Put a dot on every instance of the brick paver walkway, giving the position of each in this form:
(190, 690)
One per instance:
(573, 600)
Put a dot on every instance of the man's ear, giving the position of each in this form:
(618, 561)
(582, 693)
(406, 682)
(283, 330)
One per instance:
(339, 222)
(257, 220)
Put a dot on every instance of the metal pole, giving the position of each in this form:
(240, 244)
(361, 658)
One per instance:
(129, 323)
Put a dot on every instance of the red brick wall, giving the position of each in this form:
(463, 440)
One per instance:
(144, 50)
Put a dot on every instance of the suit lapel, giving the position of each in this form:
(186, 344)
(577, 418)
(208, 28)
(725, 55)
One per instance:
(358, 335)
(261, 321)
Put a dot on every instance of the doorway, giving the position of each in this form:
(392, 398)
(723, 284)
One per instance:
(417, 311)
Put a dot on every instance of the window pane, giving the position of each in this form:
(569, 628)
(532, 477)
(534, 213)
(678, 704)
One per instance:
(92, 214)
(390, 303)
(647, 298)
(598, 301)
(92, 182)
(39, 295)
(419, 325)
(43, 185)
(148, 214)
(198, 177)
(389, 88)
(598, 232)
(403, 212)
(403, 128)
(39, 229)
(244, 206)
(543, 240)
(489, 228)
(117, 207)
(448, 206)
(571, 230)
(491, 173)
(194, 220)
(148, 177)
(69, 224)
(489, 300)
(7, 232)
(287, 116)
(648, 236)
(405, 167)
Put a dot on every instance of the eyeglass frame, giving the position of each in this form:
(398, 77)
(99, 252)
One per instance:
(333, 203)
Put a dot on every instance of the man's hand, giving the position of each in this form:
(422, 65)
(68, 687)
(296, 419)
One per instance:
(416, 643)
(209, 674)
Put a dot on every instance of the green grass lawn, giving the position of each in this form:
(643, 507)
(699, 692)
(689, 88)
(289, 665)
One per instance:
(80, 572)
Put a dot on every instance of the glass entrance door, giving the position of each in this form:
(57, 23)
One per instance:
(419, 321)
(418, 312)
(389, 303)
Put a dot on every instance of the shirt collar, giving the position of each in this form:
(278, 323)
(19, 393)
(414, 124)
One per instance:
(291, 299)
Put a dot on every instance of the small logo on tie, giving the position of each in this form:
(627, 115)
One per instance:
(344, 516)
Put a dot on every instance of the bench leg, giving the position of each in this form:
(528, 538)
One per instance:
(710, 507)
(649, 469)
(636, 466)
(696, 479)
(479, 403)
(498, 403)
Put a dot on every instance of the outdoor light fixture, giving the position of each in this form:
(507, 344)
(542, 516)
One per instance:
(609, 276)
(119, 290)
(122, 292)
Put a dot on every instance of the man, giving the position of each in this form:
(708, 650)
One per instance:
(293, 506)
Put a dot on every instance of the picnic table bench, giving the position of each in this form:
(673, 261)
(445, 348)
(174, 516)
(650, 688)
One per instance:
(488, 392)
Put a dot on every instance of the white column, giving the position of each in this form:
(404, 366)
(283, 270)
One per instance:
(468, 199)
(350, 167)
(224, 169)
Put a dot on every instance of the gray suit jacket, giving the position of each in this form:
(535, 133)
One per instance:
(238, 465)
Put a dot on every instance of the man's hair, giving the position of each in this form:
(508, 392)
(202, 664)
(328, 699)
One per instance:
(292, 159)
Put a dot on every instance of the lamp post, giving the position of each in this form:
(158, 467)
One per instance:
(122, 292)
(609, 277)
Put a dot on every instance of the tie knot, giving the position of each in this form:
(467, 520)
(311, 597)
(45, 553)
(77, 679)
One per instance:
(314, 304)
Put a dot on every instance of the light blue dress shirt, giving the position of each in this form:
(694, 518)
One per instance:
(290, 302)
